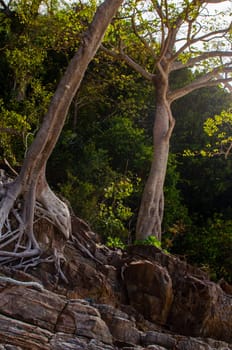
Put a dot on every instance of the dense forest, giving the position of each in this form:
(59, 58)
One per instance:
(102, 159)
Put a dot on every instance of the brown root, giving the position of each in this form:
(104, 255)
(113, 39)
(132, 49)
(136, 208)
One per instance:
(19, 247)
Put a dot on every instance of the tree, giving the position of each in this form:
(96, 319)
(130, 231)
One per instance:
(175, 36)
(30, 185)
(219, 128)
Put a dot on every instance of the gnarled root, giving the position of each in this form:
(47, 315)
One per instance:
(56, 211)
(18, 212)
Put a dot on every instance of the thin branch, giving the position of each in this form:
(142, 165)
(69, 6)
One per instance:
(205, 81)
(203, 38)
(122, 56)
(6, 9)
(145, 43)
(160, 13)
(192, 61)
(228, 151)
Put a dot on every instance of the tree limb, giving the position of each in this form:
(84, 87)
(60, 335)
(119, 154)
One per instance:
(202, 38)
(122, 56)
(211, 79)
(192, 61)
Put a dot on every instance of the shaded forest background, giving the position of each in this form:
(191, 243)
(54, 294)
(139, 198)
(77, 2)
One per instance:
(102, 159)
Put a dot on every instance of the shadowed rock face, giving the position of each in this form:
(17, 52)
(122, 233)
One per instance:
(199, 307)
(149, 289)
(141, 299)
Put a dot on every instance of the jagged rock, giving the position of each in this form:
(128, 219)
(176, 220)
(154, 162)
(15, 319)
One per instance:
(149, 289)
(155, 347)
(24, 335)
(199, 308)
(30, 305)
(200, 344)
(9, 347)
(177, 306)
(161, 339)
(121, 328)
(29, 317)
(62, 341)
(80, 318)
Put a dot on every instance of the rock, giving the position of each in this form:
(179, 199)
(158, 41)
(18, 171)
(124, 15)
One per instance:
(155, 347)
(25, 335)
(87, 278)
(82, 319)
(35, 315)
(142, 299)
(164, 340)
(201, 344)
(62, 341)
(149, 289)
(30, 305)
(121, 328)
(201, 308)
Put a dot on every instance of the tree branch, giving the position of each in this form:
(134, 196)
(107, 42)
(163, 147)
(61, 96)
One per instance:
(128, 60)
(145, 43)
(211, 79)
(6, 9)
(192, 61)
(203, 38)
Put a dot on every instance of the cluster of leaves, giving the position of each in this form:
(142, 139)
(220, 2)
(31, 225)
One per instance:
(36, 41)
(219, 129)
(151, 240)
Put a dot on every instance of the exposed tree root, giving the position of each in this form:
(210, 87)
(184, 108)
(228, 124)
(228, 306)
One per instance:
(19, 212)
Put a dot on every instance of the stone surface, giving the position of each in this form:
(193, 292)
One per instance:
(84, 320)
(149, 289)
(121, 328)
(141, 299)
(199, 308)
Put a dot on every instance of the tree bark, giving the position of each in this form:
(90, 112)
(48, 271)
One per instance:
(152, 204)
(31, 183)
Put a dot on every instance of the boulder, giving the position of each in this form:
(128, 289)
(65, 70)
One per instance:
(121, 327)
(201, 308)
(184, 299)
(149, 289)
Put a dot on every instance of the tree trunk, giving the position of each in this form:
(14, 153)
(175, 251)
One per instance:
(31, 184)
(152, 205)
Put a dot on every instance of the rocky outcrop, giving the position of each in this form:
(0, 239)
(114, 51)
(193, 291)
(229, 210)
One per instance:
(141, 299)
(149, 288)
(199, 307)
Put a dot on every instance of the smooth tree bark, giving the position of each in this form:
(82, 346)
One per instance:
(30, 188)
(179, 30)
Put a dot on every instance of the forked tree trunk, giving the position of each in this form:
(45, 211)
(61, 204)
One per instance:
(152, 205)
(31, 184)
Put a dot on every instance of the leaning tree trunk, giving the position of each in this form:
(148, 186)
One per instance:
(31, 185)
(152, 205)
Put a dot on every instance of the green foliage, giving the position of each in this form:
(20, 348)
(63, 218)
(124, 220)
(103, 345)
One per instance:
(14, 129)
(115, 242)
(151, 240)
(209, 245)
(113, 211)
(219, 131)
(119, 138)
(175, 213)
(36, 41)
